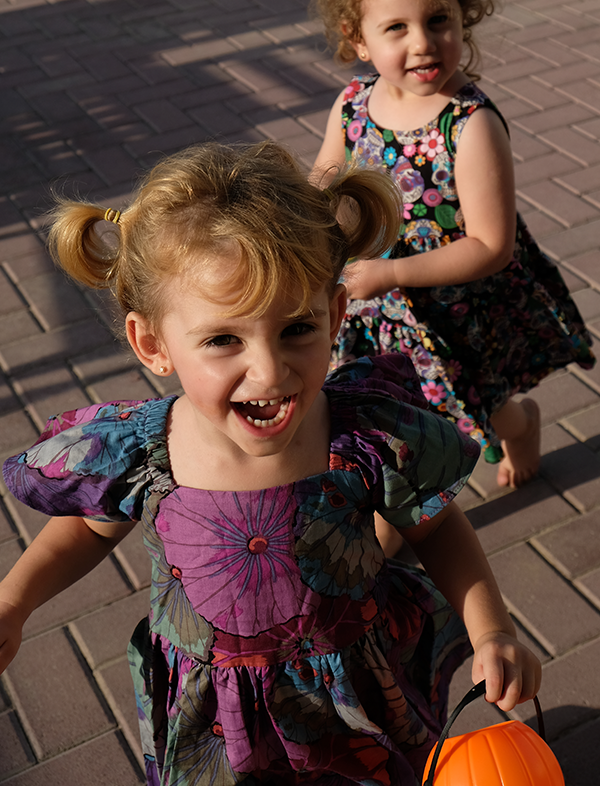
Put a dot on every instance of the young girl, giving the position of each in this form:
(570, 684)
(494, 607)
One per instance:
(280, 646)
(484, 318)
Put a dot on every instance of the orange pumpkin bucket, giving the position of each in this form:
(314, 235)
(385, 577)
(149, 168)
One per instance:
(507, 754)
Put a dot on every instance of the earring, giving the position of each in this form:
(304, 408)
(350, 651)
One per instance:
(163, 369)
(363, 56)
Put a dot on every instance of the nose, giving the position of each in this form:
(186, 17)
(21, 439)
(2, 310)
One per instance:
(267, 369)
(421, 40)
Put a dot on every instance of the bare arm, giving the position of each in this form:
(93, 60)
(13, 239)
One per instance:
(452, 555)
(65, 550)
(485, 184)
(332, 152)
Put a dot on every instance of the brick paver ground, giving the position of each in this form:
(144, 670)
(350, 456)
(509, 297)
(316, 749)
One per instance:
(92, 93)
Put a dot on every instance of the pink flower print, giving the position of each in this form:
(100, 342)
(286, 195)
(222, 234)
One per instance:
(352, 89)
(406, 208)
(409, 150)
(433, 392)
(432, 144)
(473, 396)
(432, 197)
(354, 130)
(235, 556)
(453, 369)
(459, 310)
(466, 425)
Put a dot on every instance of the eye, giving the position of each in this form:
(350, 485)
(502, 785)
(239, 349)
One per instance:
(396, 27)
(439, 19)
(222, 341)
(298, 329)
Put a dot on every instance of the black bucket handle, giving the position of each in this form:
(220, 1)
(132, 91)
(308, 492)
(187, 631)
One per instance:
(475, 692)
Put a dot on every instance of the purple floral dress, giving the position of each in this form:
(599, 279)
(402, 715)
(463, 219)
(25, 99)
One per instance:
(281, 647)
(474, 345)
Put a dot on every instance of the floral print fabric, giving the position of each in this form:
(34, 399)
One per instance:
(281, 647)
(474, 345)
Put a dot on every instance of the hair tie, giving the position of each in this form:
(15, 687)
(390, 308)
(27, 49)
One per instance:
(112, 215)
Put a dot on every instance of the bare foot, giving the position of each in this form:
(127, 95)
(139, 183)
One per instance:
(522, 454)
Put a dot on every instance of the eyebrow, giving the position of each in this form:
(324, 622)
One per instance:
(225, 329)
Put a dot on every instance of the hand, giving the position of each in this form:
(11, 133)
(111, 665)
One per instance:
(369, 278)
(511, 671)
(11, 627)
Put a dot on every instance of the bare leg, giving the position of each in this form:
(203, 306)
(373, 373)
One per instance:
(518, 426)
(389, 538)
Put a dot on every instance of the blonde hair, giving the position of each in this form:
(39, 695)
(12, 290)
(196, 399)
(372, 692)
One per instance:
(342, 20)
(193, 205)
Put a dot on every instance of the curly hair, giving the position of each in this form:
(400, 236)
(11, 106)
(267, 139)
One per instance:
(342, 21)
(197, 205)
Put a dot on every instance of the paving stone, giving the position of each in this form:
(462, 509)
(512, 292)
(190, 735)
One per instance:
(7, 531)
(588, 303)
(16, 753)
(575, 472)
(565, 705)
(16, 326)
(134, 560)
(561, 394)
(53, 722)
(50, 347)
(586, 427)
(48, 391)
(562, 205)
(573, 144)
(27, 521)
(17, 432)
(578, 754)
(9, 553)
(584, 264)
(104, 760)
(103, 585)
(516, 516)
(547, 605)
(543, 167)
(117, 686)
(103, 636)
(590, 587)
(529, 90)
(128, 386)
(103, 362)
(574, 547)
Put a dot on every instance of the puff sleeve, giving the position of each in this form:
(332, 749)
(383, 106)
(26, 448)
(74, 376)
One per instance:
(94, 462)
(412, 460)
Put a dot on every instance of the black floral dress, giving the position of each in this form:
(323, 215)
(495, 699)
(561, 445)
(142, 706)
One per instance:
(477, 344)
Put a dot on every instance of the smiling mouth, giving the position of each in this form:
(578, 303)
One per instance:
(424, 69)
(264, 413)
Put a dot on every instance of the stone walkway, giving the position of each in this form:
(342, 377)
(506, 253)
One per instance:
(92, 93)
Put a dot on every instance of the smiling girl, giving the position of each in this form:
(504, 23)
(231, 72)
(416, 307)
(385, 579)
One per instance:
(465, 292)
(281, 647)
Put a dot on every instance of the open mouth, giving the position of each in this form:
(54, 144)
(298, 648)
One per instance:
(264, 413)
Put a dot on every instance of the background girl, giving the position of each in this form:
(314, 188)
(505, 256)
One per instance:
(484, 318)
(280, 646)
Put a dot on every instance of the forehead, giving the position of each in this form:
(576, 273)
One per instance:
(402, 8)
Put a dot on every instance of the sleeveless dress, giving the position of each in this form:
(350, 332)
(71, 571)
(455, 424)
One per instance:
(474, 345)
(281, 647)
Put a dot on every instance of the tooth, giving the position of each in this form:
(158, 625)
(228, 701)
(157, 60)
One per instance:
(262, 402)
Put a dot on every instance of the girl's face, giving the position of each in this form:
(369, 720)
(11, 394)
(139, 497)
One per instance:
(415, 45)
(251, 381)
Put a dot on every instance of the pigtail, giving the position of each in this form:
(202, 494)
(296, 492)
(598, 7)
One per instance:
(368, 208)
(81, 243)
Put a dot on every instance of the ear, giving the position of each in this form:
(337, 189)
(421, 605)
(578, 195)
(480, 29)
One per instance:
(146, 345)
(357, 44)
(337, 309)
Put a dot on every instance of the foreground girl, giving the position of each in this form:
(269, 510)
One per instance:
(280, 647)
